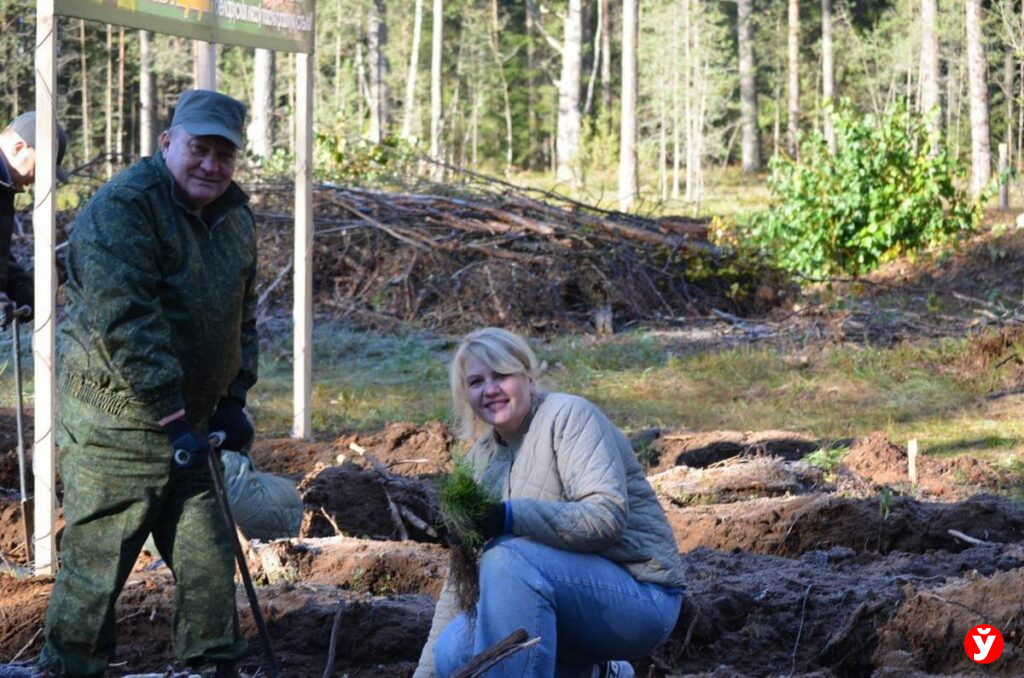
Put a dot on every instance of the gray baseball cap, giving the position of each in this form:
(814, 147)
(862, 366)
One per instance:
(203, 112)
(25, 127)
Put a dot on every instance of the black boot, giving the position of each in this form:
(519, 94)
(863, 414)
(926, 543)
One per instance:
(226, 670)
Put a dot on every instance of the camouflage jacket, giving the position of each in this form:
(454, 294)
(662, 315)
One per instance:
(14, 281)
(160, 303)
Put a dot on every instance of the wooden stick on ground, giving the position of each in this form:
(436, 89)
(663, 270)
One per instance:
(500, 651)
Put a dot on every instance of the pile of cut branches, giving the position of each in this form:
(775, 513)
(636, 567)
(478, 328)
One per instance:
(494, 254)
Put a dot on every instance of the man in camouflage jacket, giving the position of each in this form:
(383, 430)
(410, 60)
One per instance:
(17, 172)
(159, 347)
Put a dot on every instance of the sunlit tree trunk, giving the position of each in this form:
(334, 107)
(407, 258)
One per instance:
(108, 137)
(929, 76)
(376, 44)
(436, 111)
(261, 128)
(568, 143)
(628, 179)
(606, 58)
(828, 85)
(793, 70)
(410, 80)
(86, 120)
(750, 137)
(495, 28)
(981, 153)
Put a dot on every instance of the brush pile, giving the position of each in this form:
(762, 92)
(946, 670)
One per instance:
(494, 254)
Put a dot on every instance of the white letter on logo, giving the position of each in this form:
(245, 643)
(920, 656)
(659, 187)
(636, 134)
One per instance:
(983, 646)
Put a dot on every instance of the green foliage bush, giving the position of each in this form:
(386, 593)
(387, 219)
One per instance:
(889, 189)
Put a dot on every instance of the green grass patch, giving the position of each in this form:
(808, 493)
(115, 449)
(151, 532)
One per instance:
(364, 380)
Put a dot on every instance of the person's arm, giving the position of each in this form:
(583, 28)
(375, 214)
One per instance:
(595, 509)
(248, 372)
(114, 262)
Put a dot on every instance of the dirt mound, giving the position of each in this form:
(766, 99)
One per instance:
(405, 448)
(758, 615)
(357, 501)
(290, 457)
(878, 459)
(359, 565)
(738, 479)
(699, 450)
(928, 630)
(9, 447)
(792, 526)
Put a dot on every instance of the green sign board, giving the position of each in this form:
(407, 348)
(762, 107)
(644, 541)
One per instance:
(282, 25)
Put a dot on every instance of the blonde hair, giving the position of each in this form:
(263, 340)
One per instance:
(502, 351)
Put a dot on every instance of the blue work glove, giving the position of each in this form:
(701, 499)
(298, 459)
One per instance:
(491, 522)
(190, 450)
(230, 418)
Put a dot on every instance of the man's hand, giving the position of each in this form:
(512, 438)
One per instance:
(230, 418)
(9, 308)
(6, 311)
(189, 449)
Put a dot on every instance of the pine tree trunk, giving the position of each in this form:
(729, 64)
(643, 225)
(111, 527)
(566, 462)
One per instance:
(377, 40)
(120, 95)
(750, 139)
(929, 76)
(495, 27)
(793, 70)
(86, 120)
(628, 179)
(436, 110)
(414, 64)
(568, 127)
(588, 104)
(828, 85)
(532, 133)
(1008, 69)
(261, 126)
(606, 59)
(108, 138)
(981, 153)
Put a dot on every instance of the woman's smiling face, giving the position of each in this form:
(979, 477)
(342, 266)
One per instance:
(501, 400)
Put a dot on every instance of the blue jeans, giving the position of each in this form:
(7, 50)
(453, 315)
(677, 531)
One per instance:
(585, 609)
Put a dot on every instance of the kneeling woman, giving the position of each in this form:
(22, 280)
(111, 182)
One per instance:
(580, 552)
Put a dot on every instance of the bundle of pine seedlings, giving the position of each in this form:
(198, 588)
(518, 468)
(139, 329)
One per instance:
(463, 502)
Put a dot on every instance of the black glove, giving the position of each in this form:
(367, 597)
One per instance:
(6, 311)
(190, 450)
(491, 522)
(230, 418)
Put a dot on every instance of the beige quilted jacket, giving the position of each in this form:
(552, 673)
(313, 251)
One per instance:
(574, 483)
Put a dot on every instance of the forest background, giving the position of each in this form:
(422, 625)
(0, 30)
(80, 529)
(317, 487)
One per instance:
(535, 91)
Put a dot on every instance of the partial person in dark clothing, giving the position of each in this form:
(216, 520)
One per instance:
(159, 348)
(17, 172)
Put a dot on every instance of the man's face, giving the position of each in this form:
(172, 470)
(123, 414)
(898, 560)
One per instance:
(22, 162)
(201, 166)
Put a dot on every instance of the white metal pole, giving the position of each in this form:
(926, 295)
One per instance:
(206, 65)
(302, 311)
(43, 225)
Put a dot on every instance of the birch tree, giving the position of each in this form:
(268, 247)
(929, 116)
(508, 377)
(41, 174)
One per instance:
(750, 136)
(376, 43)
(828, 74)
(628, 177)
(981, 154)
(436, 115)
(793, 71)
(929, 71)
(569, 117)
(261, 126)
(410, 80)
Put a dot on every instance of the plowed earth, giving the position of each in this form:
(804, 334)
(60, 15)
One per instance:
(790, 570)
